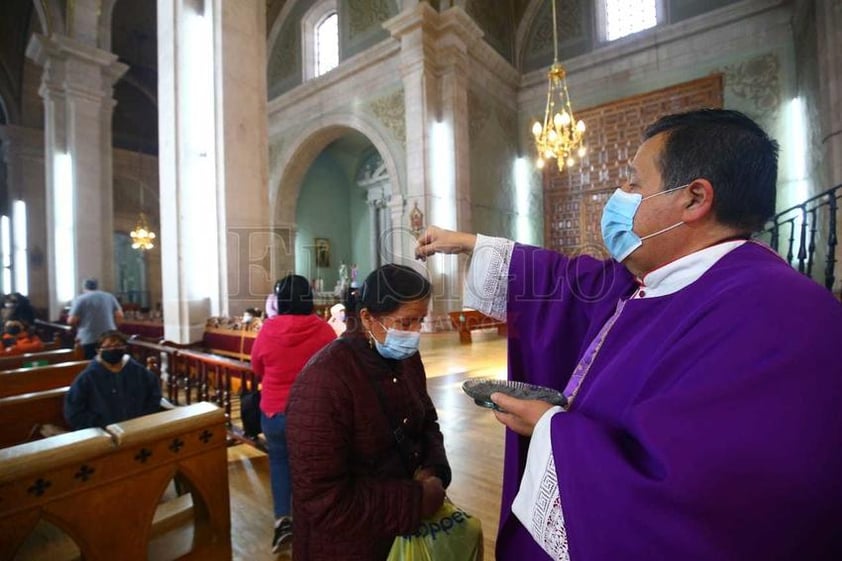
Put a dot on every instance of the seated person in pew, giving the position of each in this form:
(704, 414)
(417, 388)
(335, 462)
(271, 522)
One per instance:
(17, 340)
(113, 388)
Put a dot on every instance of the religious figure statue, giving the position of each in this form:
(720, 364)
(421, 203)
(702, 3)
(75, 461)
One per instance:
(343, 272)
(416, 221)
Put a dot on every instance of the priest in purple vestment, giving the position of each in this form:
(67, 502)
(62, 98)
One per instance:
(701, 371)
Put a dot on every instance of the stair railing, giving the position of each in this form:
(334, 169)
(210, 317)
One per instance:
(807, 233)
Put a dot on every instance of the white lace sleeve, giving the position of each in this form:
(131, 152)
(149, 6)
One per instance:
(538, 501)
(487, 281)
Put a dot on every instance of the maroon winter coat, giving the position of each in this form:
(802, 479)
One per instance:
(352, 493)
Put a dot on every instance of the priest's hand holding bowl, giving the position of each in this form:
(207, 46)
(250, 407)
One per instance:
(520, 415)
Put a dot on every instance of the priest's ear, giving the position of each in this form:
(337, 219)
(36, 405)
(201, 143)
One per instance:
(698, 204)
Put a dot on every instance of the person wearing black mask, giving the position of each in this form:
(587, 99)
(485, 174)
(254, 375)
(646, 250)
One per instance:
(16, 340)
(113, 388)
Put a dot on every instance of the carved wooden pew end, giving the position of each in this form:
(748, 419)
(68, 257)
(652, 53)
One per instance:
(103, 487)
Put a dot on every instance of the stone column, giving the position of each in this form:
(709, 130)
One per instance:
(23, 153)
(828, 22)
(77, 88)
(414, 27)
(458, 33)
(213, 161)
(829, 30)
(245, 157)
(434, 64)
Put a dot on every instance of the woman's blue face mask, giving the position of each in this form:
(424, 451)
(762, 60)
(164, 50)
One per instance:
(618, 222)
(399, 344)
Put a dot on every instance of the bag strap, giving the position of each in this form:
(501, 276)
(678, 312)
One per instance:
(402, 443)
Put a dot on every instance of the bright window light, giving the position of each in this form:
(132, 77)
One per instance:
(521, 172)
(65, 233)
(6, 253)
(19, 255)
(444, 170)
(625, 17)
(199, 180)
(796, 162)
(327, 44)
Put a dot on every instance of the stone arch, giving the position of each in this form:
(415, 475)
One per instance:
(524, 27)
(277, 25)
(295, 160)
(289, 170)
(50, 16)
(106, 17)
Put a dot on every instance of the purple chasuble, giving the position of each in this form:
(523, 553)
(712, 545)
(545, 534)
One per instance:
(707, 427)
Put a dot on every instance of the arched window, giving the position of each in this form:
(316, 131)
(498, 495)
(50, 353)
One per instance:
(327, 44)
(320, 37)
(619, 18)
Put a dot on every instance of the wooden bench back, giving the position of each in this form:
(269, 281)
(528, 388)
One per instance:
(40, 378)
(464, 321)
(103, 488)
(50, 357)
(19, 415)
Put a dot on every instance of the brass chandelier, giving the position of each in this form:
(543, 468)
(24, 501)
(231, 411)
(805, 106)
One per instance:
(561, 135)
(142, 236)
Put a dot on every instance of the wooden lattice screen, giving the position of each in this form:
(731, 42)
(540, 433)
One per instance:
(574, 197)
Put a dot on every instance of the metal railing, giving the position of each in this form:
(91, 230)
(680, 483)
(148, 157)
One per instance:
(190, 376)
(806, 235)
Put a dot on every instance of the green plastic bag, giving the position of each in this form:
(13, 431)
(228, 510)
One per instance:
(451, 534)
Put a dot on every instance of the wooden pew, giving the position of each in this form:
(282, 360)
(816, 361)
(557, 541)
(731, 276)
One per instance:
(464, 321)
(21, 414)
(103, 488)
(61, 334)
(40, 378)
(49, 357)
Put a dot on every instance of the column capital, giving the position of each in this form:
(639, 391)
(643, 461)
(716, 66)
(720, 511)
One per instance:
(419, 16)
(456, 26)
(73, 67)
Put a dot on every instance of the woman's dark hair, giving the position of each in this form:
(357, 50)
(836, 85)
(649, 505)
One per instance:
(732, 152)
(295, 297)
(389, 287)
(112, 334)
(385, 290)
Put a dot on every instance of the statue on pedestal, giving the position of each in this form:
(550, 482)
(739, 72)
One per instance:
(343, 282)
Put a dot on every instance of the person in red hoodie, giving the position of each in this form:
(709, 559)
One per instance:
(283, 346)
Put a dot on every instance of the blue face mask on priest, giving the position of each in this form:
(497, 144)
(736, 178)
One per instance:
(618, 222)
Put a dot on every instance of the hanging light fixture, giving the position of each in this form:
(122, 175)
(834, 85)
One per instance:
(142, 236)
(560, 136)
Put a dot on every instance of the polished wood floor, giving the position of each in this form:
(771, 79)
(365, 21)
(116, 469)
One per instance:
(473, 438)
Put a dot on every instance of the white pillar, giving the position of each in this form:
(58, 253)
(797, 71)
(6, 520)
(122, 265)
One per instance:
(213, 160)
(434, 67)
(23, 153)
(77, 88)
(245, 158)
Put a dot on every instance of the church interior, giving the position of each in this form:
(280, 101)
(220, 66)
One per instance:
(188, 153)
